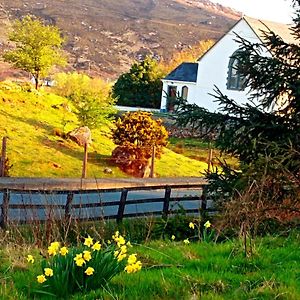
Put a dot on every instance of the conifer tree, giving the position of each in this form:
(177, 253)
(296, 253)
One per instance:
(269, 129)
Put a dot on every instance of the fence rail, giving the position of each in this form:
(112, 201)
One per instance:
(16, 192)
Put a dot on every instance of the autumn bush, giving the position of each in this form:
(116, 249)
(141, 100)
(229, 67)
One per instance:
(135, 135)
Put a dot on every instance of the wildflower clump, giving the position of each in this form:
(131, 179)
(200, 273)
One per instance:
(85, 267)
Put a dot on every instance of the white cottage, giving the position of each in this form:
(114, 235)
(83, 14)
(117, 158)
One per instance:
(217, 67)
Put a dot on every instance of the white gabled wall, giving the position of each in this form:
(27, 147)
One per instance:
(213, 70)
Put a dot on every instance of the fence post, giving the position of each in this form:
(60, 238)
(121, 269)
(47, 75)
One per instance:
(4, 209)
(85, 158)
(203, 203)
(68, 207)
(166, 202)
(122, 205)
(3, 157)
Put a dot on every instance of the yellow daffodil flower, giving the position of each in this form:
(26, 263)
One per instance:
(129, 269)
(48, 272)
(173, 237)
(55, 245)
(186, 241)
(207, 224)
(79, 261)
(30, 259)
(131, 259)
(87, 255)
(63, 251)
(52, 250)
(120, 241)
(96, 246)
(128, 244)
(121, 256)
(89, 271)
(88, 241)
(192, 225)
(138, 266)
(41, 278)
(123, 249)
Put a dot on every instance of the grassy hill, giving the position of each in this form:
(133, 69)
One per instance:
(31, 121)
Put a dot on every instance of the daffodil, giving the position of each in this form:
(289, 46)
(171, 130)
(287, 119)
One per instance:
(87, 255)
(192, 225)
(89, 271)
(30, 258)
(207, 224)
(53, 248)
(123, 249)
(79, 261)
(120, 241)
(41, 278)
(129, 269)
(128, 244)
(173, 237)
(63, 251)
(96, 246)
(132, 268)
(116, 235)
(186, 241)
(55, 245)
(131, 259)
(121, 256)
(52, 251)
(88, 241)
(138, 266)
(48, 272)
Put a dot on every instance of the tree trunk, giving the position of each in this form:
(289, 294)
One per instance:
(36, 80)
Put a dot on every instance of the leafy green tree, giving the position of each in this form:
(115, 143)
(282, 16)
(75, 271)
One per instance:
(90, 98)
(37, 47)
(265, 137)
(141, 86)
(135, 134)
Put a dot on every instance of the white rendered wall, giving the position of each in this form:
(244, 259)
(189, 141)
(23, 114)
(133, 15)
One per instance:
(213, 70)
(192, 91)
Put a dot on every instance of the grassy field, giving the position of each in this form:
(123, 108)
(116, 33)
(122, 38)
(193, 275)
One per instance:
(31, 120)
(173, 270)
(197, 149)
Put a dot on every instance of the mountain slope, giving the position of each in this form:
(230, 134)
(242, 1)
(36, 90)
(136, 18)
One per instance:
(104, 37)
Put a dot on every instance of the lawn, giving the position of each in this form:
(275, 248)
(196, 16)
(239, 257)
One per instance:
(33, 120)
(197, 149)
(173, 270)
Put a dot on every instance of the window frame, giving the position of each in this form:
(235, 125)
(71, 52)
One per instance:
(235, 80)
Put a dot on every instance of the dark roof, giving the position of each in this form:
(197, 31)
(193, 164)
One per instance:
(185, 72)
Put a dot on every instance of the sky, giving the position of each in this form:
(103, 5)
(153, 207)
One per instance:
(273, 10)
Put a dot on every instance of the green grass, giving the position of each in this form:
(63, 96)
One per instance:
(30, 120)
(173, 270)
(198, 150)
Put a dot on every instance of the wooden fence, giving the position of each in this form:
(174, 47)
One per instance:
(68, 188)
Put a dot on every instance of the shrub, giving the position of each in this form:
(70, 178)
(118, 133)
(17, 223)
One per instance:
(136, 134)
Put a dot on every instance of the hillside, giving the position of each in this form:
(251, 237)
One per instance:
(31, 121)
(105, 37)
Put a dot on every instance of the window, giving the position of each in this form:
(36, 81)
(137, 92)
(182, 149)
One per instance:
(235, 81)
(184, 92)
